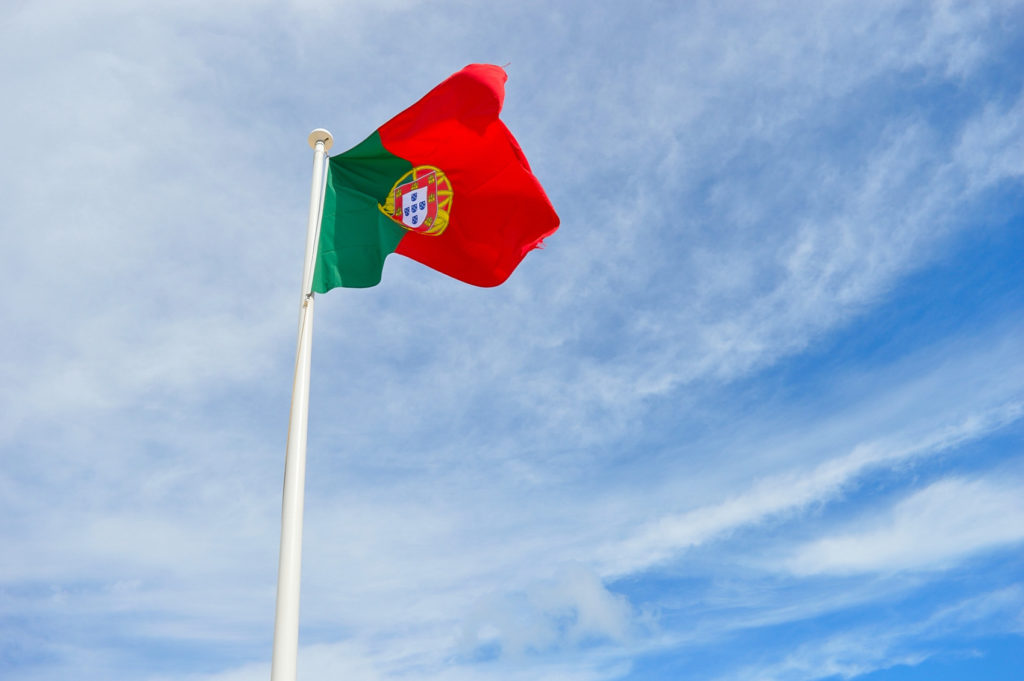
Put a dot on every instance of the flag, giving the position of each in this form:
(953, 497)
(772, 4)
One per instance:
(444, 183)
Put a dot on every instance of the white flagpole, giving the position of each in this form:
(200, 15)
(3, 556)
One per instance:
(289, 567)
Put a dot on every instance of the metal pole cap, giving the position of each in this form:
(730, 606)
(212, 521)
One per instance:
(321, 135)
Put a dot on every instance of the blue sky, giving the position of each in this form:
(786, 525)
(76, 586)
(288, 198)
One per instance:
(756, 411)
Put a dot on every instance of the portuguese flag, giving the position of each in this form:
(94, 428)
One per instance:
(444, 183)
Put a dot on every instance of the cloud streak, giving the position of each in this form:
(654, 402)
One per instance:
(930, 529)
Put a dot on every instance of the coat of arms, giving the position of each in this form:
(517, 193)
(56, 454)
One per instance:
(420, 201)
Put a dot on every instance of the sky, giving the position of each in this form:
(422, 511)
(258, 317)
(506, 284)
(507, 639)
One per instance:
(755, 411)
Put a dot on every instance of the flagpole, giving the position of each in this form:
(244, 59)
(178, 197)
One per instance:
(289, 567)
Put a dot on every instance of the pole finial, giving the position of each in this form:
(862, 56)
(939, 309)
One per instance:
(321, 135)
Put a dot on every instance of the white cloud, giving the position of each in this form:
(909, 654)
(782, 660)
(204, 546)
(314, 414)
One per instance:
(933, 528)
(891, 643)
(574, 607)
(991, 146)
(932, 401)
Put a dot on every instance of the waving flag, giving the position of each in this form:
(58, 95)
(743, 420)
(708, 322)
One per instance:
(444, 183)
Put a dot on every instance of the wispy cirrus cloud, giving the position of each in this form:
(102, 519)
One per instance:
(892, 644)
(931, 529)
(666, 537)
